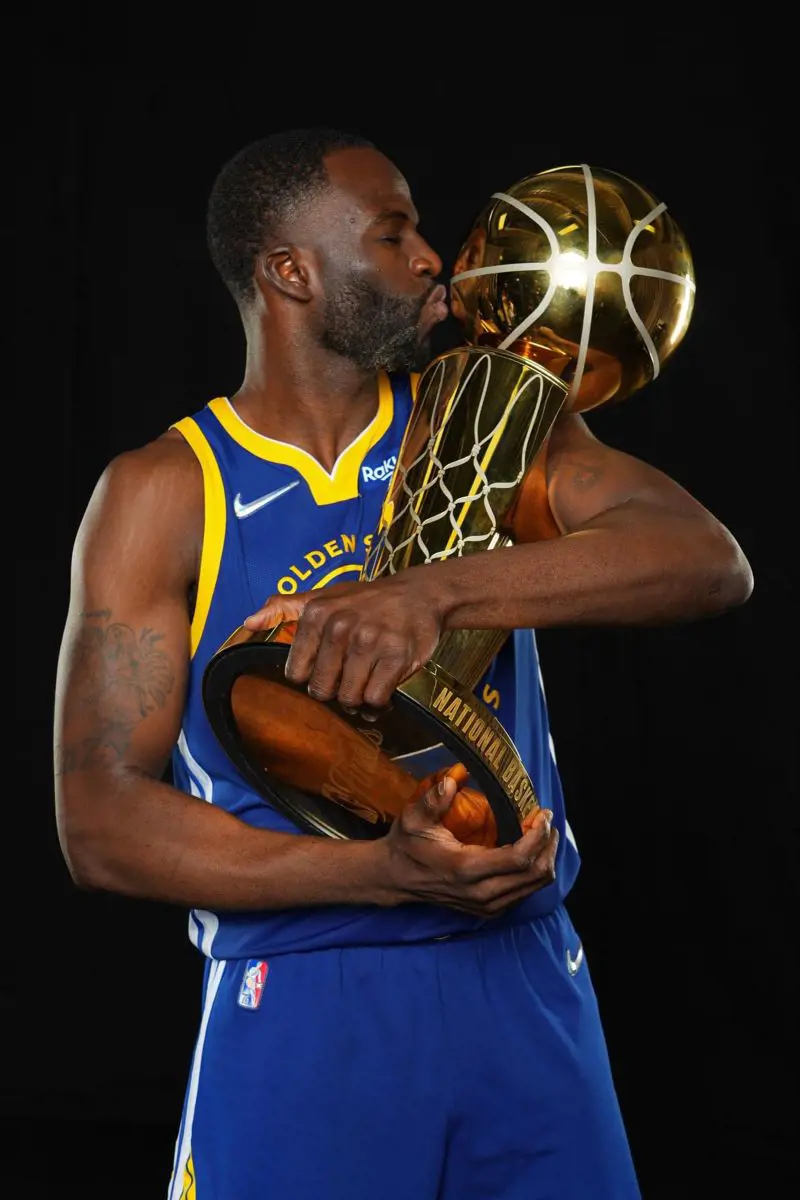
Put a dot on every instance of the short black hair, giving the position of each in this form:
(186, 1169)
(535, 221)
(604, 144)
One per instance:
(257, 189)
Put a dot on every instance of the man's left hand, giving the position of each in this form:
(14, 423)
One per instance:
(357, 641)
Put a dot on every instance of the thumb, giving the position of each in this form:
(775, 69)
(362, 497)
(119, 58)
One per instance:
(458, 773)
(276, 609)
(433, 805)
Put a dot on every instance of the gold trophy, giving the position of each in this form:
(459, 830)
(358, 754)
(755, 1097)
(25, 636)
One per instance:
(573, 288)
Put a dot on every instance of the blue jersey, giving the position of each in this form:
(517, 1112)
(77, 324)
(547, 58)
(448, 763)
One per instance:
(277, 522)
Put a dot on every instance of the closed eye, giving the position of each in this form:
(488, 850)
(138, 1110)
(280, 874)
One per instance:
(395, 240)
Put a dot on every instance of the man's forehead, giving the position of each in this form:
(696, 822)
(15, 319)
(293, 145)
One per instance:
(366, 179)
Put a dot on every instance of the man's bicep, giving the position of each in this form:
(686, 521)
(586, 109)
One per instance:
(125, 649)
(586, 478)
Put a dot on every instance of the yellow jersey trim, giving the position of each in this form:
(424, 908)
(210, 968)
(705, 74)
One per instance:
(213, 525)
(189, 1190)
(326, 488)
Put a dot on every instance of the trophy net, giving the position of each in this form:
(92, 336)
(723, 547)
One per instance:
(480, 419)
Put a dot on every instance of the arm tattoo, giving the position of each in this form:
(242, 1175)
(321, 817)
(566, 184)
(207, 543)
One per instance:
(123, 677)
(585, 477)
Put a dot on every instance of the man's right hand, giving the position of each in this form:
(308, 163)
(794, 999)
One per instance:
(424, 862)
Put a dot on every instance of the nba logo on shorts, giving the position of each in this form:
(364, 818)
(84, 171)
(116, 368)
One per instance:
(255, 974)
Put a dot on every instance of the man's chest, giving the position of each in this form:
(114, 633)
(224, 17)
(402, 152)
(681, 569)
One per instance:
(292, 544)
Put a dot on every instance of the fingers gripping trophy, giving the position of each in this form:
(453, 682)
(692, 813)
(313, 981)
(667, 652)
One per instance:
(573, 288)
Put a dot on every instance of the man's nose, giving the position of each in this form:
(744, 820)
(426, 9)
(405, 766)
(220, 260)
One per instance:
(426, 261)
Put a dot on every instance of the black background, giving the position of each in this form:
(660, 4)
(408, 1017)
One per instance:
(675, 745)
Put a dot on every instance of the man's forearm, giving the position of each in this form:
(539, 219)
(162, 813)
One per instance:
(130, 834)
(638, 562)
(635, 564)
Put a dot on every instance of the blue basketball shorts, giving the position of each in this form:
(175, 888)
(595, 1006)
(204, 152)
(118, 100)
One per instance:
(470, 1068)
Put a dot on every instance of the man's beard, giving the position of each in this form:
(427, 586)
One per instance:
(375, 330)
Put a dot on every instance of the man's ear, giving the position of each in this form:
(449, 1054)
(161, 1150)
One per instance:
(285, 269)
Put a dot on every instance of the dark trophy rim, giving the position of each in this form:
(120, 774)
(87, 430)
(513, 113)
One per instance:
(316, 814)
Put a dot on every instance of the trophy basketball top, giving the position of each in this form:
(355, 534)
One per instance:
(582, 271)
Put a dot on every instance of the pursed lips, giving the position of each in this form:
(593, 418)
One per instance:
(435, 307)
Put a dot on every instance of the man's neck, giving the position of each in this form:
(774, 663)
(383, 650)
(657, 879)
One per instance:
(306, 396)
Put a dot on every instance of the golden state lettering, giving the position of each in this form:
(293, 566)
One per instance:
(314, 560)
(492, 748)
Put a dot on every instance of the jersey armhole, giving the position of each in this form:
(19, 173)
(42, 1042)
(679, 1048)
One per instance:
(214, 523)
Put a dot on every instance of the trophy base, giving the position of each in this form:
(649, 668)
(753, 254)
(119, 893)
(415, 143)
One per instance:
(348, 773)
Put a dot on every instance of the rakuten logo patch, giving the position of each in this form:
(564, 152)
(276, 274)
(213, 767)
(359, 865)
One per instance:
(381, 473)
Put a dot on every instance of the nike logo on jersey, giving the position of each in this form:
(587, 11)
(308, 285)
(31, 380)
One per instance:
(573, 964)
(247, 510)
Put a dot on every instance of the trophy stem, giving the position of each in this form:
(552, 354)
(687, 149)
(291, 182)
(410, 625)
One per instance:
(467, 653)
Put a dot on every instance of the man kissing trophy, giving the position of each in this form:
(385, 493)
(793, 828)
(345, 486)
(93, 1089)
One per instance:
(573, 289)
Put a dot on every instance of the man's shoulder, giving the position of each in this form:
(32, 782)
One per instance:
(162, 474)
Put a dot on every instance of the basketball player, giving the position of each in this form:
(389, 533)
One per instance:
(410, 1018)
